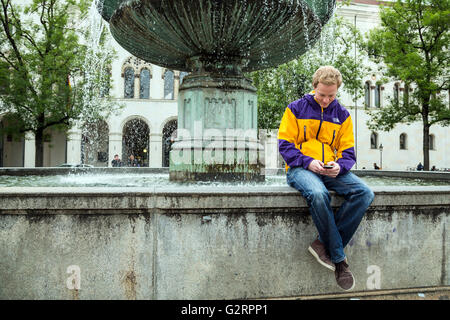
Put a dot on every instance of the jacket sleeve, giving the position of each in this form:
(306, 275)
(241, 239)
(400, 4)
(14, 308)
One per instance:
(287, 139)
(345, 143)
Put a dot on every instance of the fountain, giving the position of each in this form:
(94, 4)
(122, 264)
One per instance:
(216, 42)
(111, 237)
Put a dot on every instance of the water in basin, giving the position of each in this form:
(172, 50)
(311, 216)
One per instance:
(162, 179)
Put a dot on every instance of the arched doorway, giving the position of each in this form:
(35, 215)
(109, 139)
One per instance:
(95, 143)
(169, 135)
(135, 141)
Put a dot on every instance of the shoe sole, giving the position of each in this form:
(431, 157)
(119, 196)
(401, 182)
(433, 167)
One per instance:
(332, 268)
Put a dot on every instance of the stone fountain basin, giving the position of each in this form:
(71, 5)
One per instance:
(209, 243)
(256, 33)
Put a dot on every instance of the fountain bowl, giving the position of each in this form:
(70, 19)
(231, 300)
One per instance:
(232, 36)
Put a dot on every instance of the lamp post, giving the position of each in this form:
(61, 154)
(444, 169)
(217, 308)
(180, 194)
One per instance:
(381, 156)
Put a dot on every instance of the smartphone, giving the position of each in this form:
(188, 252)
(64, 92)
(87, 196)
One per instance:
(327, 166)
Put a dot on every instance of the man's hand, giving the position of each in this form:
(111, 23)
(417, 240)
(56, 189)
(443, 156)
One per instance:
(333, 172)
(317, 167)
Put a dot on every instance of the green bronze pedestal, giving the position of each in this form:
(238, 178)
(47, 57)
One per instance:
(217, 125)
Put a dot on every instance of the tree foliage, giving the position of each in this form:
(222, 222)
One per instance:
(412, 46)
(278, 87)
(47, 79)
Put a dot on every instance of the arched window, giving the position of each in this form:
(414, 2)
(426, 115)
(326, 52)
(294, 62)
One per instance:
(406, 95)
(129, 83)
(378, 96)
(374, 140)
(168, 84)
(367, 94)
(403, 141)
(144, 88)
(396, 92)
(431, 142)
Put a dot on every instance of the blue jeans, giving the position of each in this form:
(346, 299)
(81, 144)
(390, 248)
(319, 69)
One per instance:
(335, 229)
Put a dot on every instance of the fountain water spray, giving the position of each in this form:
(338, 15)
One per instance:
(95, 83)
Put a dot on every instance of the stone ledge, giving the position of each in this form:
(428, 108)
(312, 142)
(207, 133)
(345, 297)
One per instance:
(117, 200)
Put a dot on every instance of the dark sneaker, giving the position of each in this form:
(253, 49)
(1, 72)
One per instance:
(344, 276)
(319, 252)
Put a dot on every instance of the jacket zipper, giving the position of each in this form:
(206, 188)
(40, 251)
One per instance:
(304, 136)
(320, 124)
(323, 153)
(317, 135)
(334, 133)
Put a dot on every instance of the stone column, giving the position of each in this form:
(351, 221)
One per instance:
(115, 146)
(155, 150)
(372, 96)
(74, 146)
(157, 85)
(30, 151)
(176, 85)
(136, 85)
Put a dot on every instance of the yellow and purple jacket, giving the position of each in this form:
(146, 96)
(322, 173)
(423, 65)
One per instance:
(308, 132)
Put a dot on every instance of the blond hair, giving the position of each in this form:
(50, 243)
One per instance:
(327, 75)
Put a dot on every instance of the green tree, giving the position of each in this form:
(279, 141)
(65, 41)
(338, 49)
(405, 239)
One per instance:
(49, 75)
(411, 45)
(278, 87)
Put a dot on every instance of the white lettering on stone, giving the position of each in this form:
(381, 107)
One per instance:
(74, 280)
(374, 280)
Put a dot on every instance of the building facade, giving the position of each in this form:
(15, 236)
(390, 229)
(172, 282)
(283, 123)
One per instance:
(146, 124)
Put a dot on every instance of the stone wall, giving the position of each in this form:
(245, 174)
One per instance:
(208, 243)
